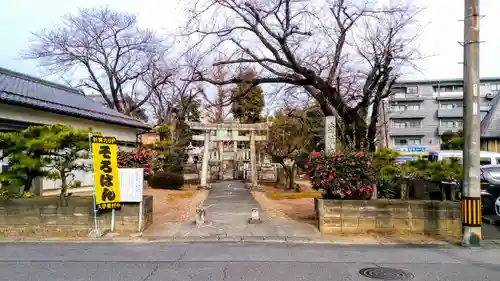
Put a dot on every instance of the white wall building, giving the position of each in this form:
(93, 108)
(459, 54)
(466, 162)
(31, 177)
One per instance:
(26, 101)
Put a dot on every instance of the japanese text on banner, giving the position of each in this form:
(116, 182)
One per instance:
(106, 182)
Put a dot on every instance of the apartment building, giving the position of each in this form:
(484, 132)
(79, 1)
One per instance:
(419, 112)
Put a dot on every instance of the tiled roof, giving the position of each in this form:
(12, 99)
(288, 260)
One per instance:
(490, 126)
(20, 89)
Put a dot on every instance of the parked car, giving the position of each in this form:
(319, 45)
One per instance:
(487, 158)
(490, 188)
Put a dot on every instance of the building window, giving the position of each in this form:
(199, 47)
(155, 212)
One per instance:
(412, 91)
(415, 124)
(451, 123)
(405, 141)
(399, 124)
(413, 106)
(444, 89)
(399, 107)
(450, 105)
(400, 95)
(406, 124)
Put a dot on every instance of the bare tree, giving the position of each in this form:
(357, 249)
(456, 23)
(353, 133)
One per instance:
(175, 103)
(119, 60)
(345, 54)
(218, 107)
(176, 97)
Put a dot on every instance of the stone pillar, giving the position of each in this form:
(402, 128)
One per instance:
(221, 160)
(330, 134)
(206, 156)
(234, 134)
(253, 164)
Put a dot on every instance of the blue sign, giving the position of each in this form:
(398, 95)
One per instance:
(413, 149)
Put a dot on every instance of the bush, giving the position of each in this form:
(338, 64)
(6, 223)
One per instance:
(342, 175)
(137, 159)
(6, 194)
(434, 171)
(166, 180)
(386, 188)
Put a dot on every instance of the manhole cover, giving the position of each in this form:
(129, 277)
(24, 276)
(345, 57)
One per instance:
(384, 273)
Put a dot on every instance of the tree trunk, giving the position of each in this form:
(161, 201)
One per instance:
(372, 127)
(281, 179)
(360, 136)
(64, 188)
(290, 177)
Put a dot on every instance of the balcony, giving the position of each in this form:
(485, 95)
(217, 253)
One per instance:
(414, 98)
(416, 131)
(442, 130)
(449, 95)
(406, 114)
(459, 95)
(454, 112)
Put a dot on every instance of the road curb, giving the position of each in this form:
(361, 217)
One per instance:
(231, 239)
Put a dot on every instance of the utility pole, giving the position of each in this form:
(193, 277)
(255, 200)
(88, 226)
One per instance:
(471, 200)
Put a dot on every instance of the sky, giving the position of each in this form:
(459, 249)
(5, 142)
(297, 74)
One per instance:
(439, 41)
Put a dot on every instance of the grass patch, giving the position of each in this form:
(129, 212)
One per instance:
(292, 195)
(172, 195)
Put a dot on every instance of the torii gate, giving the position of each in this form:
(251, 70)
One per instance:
(234, 128)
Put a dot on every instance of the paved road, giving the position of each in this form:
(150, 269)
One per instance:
(491, 232)
(228, 262)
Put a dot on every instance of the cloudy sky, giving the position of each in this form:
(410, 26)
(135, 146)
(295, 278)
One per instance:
(18, 18)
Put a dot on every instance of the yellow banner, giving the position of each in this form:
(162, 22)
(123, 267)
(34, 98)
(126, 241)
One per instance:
(105, 163)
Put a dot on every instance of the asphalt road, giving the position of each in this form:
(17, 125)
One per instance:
(218, 261)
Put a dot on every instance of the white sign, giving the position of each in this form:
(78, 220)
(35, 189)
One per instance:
(131, 184)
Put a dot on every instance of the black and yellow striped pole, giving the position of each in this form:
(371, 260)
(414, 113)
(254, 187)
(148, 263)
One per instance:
(471, 212)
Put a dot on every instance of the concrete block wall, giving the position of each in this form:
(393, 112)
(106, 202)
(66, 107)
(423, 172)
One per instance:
(431, 218)
(43, 215)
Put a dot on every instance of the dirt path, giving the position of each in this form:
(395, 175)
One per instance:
(301, 210)
(175, 205)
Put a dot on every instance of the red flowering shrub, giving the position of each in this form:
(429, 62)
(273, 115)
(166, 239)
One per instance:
(137, 159)
(342, 175)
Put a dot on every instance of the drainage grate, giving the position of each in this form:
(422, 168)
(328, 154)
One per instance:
(384, 273)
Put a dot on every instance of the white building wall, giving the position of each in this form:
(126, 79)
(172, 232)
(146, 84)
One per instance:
(122, 133)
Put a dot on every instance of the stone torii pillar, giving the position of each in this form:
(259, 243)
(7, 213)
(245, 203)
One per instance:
(204, 164)
(253, 162)
(234, 134)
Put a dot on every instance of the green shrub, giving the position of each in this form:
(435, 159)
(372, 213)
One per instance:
(384, 164)
(434, 171)
(348, 175)
(27, 194)
(386, 188)
(166, 180)
(6, 194)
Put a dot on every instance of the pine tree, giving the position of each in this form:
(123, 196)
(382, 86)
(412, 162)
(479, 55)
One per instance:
(248, 100)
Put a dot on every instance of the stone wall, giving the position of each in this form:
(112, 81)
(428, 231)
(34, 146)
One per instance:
(431, 218)
(43, 215)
